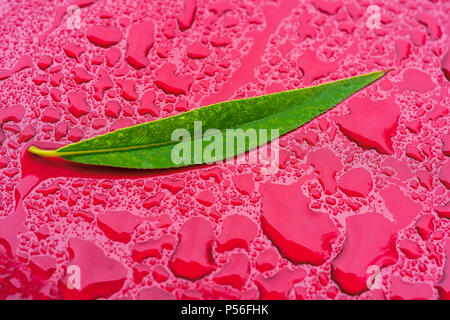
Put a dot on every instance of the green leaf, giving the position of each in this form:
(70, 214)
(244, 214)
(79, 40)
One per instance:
(150, 145)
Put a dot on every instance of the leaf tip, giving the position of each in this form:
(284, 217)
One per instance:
(43, 153)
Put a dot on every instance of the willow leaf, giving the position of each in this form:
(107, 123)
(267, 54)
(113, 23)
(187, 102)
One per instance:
(151, 145)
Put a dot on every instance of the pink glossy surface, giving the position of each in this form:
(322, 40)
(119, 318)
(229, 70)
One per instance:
(360, 198)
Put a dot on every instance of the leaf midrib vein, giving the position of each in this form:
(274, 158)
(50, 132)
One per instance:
(69, 153)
